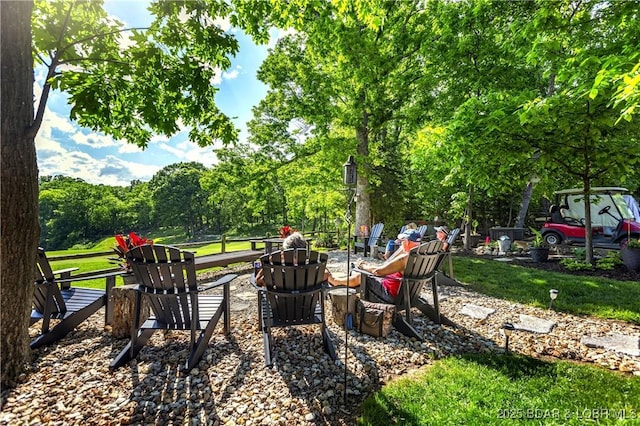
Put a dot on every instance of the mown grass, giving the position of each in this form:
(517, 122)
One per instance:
(580, 295)
(511, 389)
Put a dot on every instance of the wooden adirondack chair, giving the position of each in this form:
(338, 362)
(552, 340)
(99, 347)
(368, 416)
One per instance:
(422, 229)
(55, 298)
(442, 277)
(421, 268)
(167, 279)
(293, 295)
(369, 244)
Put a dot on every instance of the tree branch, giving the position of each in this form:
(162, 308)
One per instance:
(90, 59)
(46, 87)
(95, 36)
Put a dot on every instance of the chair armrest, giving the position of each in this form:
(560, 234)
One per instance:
(90, 277)
(363, 281)
(63, 272)
(222, 281)
(252, 281)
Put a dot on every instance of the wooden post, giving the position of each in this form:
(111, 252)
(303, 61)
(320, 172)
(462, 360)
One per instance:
(224, 243)
(124, 298)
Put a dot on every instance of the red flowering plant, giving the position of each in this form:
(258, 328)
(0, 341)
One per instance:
(285, 231)
(124, 243)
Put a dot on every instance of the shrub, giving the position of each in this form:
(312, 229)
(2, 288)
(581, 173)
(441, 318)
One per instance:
(325, 240)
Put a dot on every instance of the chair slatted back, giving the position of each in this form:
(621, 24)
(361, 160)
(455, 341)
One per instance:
(46, 287)
(453, 235)
(376, 233)
(294, 282)
(167, 277)
(422, 230)
(422, 264)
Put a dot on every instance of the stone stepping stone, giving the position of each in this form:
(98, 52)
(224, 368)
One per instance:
(503, 259)
(475, 311)
(534, 324)
(629, 345)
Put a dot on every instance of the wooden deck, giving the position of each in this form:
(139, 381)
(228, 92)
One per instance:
(226, 259)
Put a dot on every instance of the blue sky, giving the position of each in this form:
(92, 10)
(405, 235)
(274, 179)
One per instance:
(64, 148)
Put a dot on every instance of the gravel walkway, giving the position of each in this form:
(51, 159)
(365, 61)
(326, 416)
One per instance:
(70, 382)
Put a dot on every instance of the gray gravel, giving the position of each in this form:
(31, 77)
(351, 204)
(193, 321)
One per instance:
(70, 382)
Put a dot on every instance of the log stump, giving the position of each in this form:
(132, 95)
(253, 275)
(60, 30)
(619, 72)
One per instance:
(124, 300)
(339, 307)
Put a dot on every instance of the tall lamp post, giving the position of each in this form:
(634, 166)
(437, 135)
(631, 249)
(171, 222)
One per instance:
(349, 179)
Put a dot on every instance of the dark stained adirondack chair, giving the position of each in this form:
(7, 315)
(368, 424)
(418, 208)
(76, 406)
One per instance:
(167, 279)
(369, 245)
(421, 268)
(55, 298)
(293, 295)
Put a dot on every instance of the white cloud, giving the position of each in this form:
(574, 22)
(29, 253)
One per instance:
(231, 75)
(94, 140)
(189, 151)
(217, 77)
(125, 40)
(54, 158)
(276, 34)
(223, 23)
(52, 121)
(44, 143)
(128, 148)
(109, 171)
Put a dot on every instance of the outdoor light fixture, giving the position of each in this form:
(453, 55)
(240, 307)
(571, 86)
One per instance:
(349, 179)
(553, 294)
(507, 329)
(350, 174)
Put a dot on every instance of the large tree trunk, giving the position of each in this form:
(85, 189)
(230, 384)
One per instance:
(19, 192)
(363, 199)
(524, 206)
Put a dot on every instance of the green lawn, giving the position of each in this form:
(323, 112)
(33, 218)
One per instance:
(580, 295)
(499, 389)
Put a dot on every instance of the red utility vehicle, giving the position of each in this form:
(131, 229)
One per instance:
(612, 221)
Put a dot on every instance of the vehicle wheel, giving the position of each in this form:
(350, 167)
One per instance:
(552, 238)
